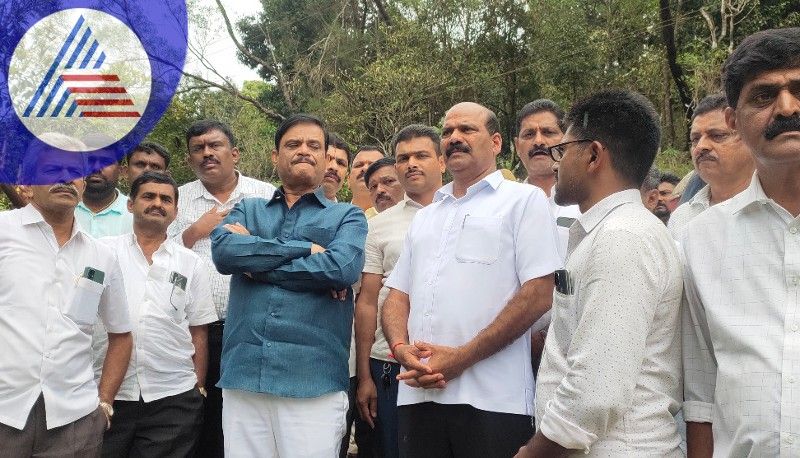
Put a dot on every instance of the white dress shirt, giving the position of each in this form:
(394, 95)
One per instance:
(741, 326)
(610, 379)
(161, 312)
(47, 310)
(462, 261)
(687, 211)
(387, 233)
(193, 201)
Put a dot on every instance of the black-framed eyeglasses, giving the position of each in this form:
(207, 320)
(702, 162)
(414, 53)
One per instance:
(556, 152)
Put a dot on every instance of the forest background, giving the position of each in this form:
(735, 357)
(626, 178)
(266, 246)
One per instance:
(370, 67)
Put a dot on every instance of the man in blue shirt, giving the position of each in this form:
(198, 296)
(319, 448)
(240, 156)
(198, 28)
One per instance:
(287, 336)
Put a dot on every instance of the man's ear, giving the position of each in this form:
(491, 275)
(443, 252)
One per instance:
(130, 204)
(235, 154)
(730, 118)
(274, 157)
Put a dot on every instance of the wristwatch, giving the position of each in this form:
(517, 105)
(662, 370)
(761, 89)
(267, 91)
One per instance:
(202, 391)
(108, 409)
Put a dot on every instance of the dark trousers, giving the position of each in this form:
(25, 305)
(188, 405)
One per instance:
(433, 430)
(212, 443)
(166, 427)
(364, 436)
(81, 438)
(386, 422)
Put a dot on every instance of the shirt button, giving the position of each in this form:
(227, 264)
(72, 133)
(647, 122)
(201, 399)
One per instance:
(791, 379)
(793, 230)
(793, 281)
(269, 344)
(789, 440)
(273, 314)
(795, 327)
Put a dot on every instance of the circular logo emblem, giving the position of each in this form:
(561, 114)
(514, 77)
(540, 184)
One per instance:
(82, 82)
(93, 80)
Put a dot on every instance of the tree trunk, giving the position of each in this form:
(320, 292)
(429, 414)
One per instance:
(668, 35)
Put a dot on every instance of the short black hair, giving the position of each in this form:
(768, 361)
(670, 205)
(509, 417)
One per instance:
(198, 128)
(377, 148)
(151, 148)
(538, 106)
(300, 118)
(337, 142)
(669, 177)
(626, 123)
(413, 131)
(152, 177)
(773, 49)
(377, 165)
(651, 180)
(709, 103)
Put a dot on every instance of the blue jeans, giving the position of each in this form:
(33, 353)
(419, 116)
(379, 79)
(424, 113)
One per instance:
(386, 422)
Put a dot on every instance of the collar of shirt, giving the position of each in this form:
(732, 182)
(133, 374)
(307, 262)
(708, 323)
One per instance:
(318, 195)
(165, 245)
(753, 195)
(702, 198)
(600, 210)
(493, 179)
(119, 206)
(31, 215)
(409, 202)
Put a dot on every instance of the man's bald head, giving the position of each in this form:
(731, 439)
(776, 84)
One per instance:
(472, 108)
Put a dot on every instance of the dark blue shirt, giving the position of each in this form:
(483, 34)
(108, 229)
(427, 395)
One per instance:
(284, 333)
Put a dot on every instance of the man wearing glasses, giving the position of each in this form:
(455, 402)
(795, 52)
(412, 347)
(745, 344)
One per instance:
(610, 379)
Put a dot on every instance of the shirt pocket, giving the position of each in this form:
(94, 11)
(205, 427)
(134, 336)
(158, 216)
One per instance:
(177, 303)
(564, 316)
(320, 235)
(82, 309)
(479, 240)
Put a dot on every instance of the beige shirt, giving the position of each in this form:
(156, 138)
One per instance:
(741, 325)
(610, 379)
(387, 233)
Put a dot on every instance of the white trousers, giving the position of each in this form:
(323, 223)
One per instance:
(263, 425)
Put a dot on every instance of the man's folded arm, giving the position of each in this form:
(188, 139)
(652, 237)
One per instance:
(234, 253)
(338, 267)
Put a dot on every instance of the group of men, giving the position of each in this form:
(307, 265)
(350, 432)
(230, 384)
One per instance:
(482, 317)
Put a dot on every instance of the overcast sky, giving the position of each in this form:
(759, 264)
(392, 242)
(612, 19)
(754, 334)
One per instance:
(221, 51)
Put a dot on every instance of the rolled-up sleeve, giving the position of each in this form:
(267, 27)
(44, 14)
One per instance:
(608, 346)
(699, 363)
(536, 240)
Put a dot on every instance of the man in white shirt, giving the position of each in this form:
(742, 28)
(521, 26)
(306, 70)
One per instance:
(383, 183)
(719, 156)
(741, 322)
(56, 281)
(159, 407)
(540, 124)
(476, 271)
(203, 203)
(419, 167)
(609, 383)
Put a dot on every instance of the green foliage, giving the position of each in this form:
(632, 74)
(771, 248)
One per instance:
(675, 161)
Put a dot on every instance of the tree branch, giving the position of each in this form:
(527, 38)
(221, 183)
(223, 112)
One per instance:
(668, 36)
(712, 29)
(271, 114)
(384, 15)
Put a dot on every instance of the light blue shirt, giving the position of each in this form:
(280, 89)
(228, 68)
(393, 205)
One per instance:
(114, 220)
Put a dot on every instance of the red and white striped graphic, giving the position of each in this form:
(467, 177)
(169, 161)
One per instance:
(99, 95)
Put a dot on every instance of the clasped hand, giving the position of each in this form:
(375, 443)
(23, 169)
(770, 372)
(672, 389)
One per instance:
(442, 364)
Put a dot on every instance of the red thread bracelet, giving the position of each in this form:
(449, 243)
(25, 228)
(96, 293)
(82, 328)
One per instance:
(396, 345)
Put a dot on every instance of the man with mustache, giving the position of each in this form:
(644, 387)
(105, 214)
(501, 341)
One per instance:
(212, 155)
(540, 125)
(475, 272)
(383, 184)
(666, 201)
(338, 159)
(742, 271)
(419, 168)
(720, 158)
(293, 258)
(364, 157)
(57, 282)
(159, 406)
(103, 211)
